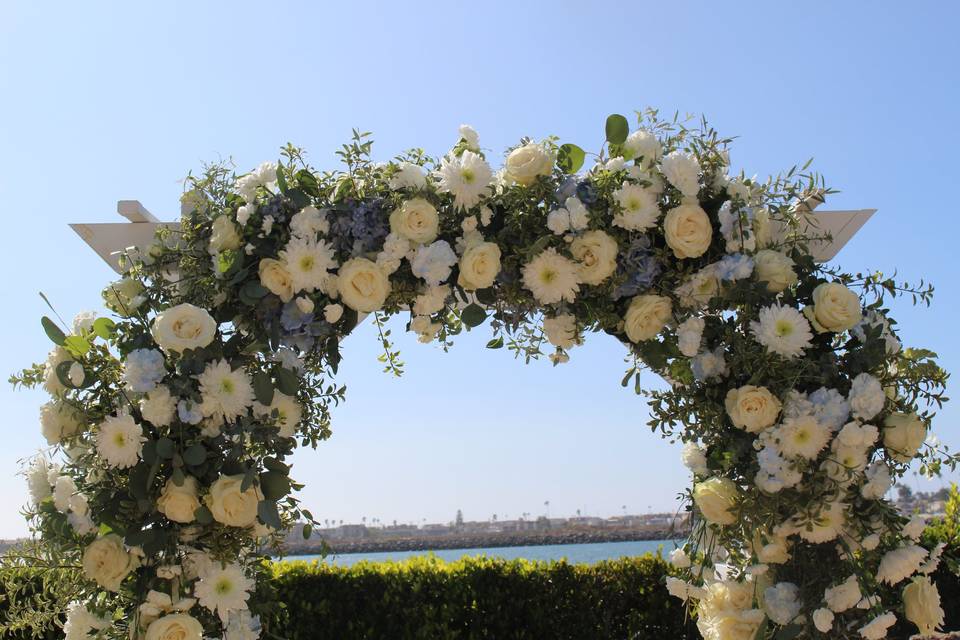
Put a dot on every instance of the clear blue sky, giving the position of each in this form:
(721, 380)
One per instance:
(102, 102)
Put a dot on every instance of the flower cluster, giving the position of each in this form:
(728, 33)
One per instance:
(796, 402)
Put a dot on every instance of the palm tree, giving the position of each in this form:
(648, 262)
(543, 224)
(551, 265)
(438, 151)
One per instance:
(546, 503)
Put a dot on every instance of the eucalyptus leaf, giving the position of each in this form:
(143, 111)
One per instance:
(165, 447)
(263, 388)
(53, 332)
(196, 454)
(104, 328)
(268, 514)
(287, 381)
(570, 158)
(473, 315)
(76, 345)
(274, 485)
(617, 129)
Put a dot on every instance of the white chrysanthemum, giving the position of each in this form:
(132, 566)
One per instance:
(638, 207)
(225, 392)
(408, 176)
(803, 437)
(158, 406)
(782, 602)
(81, 623)
(223, 589)
(899, 564)
(689, 335)
(288, 411)
(551, 277)
(308, 262)
(682, 170)
(308, 222)
(119, 441)
(866, 397)
(877, 628)
(467, 178)
(825, 526)
(644, 146)
(782, 330)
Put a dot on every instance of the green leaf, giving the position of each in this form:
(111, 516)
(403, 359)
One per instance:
(263, 388)
(274, 485)
(789, 632)
(195, 455)
(308, 182)
(307, 531)
(139, 476)
(178, 477)
(52, 330)
(298, 198)
(275, 465)
(617, 129)
(149, 451)
(496, 343)
(287, 381)
(202, 515)
(473, 315)
(247, 481)
(570, 158)
(165, 448)
(76, 345)
(281, 179)
(268, 514)
(104, 328)
(252, 292)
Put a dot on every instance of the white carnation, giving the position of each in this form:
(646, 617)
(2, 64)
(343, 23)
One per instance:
(431, 300)
(308, 222)
(408, 176)
(899, 564)
(561, 331)
(694, 458)
(689, 335)
(782, 602)
(644, 147)
(866, 397)
(682, 170)
(434, 262)
(158, 406)
(844, 596)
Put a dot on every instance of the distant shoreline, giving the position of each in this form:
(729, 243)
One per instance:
(479, 541)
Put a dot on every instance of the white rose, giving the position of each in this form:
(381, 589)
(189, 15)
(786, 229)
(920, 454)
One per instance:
(479, 266)
(561, 331)
(716, 498)
(275, 277)
(835, 308)
(362, 285)
(775, 269)
(179, 503)
(903, 434)
(416, 220)
(921, 605)
(332, 313)
(596, 253)
(229, 505)
(688, 230)
(751, 408)
(176, 626)
(525, 163)
(184, 327)
(223, 236)
(106, 561)
(646, 316)
(682, 170)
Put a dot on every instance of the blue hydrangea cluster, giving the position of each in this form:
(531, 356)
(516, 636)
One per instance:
(587, 193)
(144, 369)
(360, 228)
(638, 266)
(735, 266)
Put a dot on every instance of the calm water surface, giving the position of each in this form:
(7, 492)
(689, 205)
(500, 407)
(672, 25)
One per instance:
(587, 552)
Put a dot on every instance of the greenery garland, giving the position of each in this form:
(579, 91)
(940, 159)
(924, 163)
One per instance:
(797, 404)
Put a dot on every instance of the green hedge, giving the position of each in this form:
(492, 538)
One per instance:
(477, 598)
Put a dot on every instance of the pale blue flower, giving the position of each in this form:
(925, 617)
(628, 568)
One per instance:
(189, 412)
(144, 369)
(736, 266)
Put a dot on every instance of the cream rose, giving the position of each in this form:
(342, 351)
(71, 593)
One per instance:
(751, 408)
(775, 269)
(596, 253)
(479, 266)
(176, 626)
(363, 285)
(223, 236)
(106, 561)
(275, 277)
(416, 220)
(903, 434)
(646, 316)
(921, 605)
(688, 230)
(184, 327)
(716, 499)
(835, 308)
(229, 505)
(525, 163)
(179, 503)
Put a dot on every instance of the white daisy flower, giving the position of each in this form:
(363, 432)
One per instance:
(638, 207)
(467, 178)
(224, 392)
(803, 437)
(782, 330)
(119, 441)
(288, 411)
(223, 589)
(308, 263)
(825, 526)
(551, 277)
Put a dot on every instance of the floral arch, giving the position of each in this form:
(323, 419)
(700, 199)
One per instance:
(797, 405)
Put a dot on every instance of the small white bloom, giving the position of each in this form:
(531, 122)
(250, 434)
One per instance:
(877, 628)
(225, 392)
(308, 222)
(823, 620)
(433, 262)
(158, 406)
(431, 300)
(486, 216)
(308, 262)
(244, 212)
(689, 335)
(408, 176)
(558, 221)
(843, 596)
(332, 313)
(866, 397)
(803, 437)
(304, 304)
(708, 365)
(561, 331)
(901, 563)
(470, 136)
(579, 215)
(638, 205)
(466, 177)
(694, 458)
(37, 480)
(644, 147)
(678, 588)
(682, 170)
(223, 589)
(782, 602)
(914, 528)
(879, 481)
(680, 559)
(76, 374)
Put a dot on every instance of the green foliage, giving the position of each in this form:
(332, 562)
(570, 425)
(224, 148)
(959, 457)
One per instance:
(35, 590)
(477, 598)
